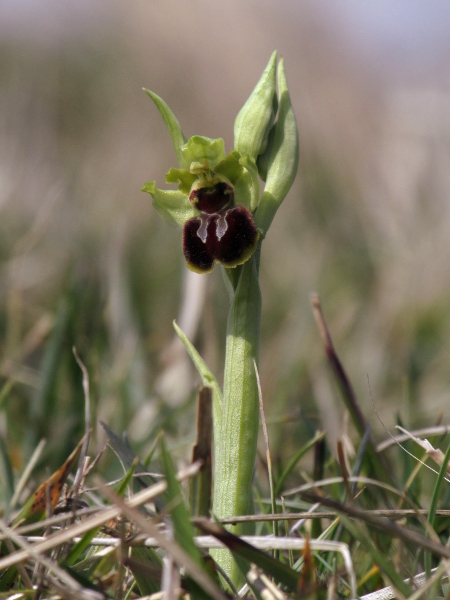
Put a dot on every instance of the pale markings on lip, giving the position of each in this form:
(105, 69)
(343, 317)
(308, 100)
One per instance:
(202, 231)
(221, 226)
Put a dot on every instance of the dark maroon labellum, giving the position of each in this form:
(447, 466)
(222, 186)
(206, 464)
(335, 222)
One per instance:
(229, 237)
(212, 199)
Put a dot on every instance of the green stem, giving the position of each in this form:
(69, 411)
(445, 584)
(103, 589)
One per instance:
(235, 452)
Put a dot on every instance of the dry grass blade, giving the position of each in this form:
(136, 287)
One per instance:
(392, 513)
(407, 535)
(336, 365)
(437, 455)
(348, 392)
(264, 586)
(96, 520)
(32, 553)
(201, 486)
(420, 581)
(224, 537)
(170, 580)
(170, 546)
(429, 431)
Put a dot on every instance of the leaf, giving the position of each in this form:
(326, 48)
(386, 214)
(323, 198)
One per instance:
(207, 377)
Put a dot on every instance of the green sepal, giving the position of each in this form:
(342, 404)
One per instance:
(255, 118)
(173, 126)
(201, 153)
(172, 205)
(283, 162)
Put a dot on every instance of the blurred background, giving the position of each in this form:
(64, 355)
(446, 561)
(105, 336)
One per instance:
(86, 262)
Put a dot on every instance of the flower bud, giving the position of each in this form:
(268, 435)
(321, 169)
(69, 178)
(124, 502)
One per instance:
(256, 117)
(283, 161)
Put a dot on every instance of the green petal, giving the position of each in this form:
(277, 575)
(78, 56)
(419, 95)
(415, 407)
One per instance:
(283, 161)
(243, 175)
(205, 152)
(183, 178)
(172, 124)
(256, 117)
(172, 205)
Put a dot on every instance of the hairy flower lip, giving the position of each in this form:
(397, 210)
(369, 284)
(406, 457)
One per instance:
(229, 237)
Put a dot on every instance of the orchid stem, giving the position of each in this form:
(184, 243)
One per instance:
(235, 450)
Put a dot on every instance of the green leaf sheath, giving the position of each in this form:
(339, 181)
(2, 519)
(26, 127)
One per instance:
(283, 161)
(236, 451)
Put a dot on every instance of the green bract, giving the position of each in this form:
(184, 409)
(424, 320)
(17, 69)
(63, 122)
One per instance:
(176, 135)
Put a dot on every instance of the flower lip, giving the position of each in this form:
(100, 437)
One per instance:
(229, 237)
(213, 197)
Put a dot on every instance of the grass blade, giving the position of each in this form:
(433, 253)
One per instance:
(433, 505)
(183, 529)
(294, 460)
